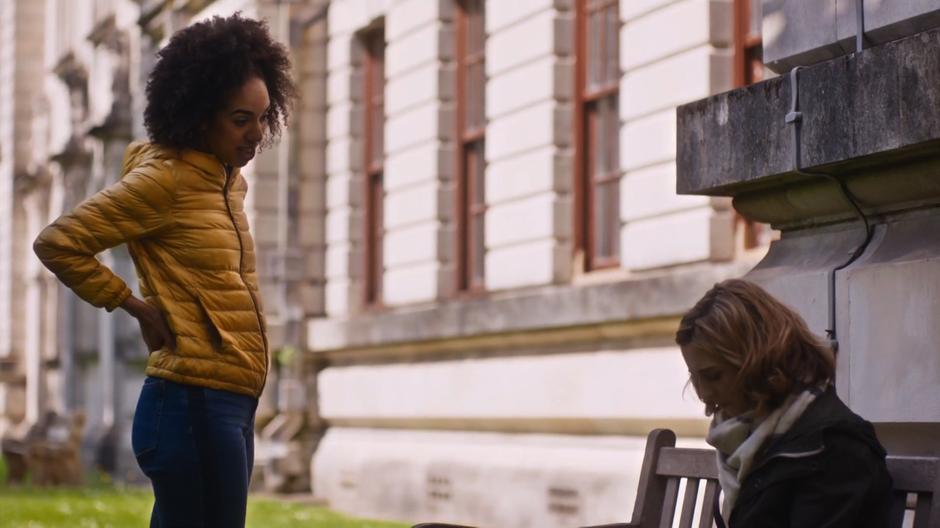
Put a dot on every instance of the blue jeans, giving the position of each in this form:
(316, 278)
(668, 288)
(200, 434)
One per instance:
(196, 446)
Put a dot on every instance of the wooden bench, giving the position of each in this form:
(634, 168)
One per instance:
(916, 496)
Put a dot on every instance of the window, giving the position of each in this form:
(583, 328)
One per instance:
(749, 69)
(597, 131)
(748, 48)
(373, 150)
(470, 37)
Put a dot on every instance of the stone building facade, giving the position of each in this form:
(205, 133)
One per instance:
(472, 254)
(504, 276)
(67, 118)
(72, 98)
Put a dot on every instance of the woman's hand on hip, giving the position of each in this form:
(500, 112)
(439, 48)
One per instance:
(153, 324)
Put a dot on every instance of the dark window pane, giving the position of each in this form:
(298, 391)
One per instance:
(479, 251)
(613, 28)
(469, 97)
(593, 51)
(611, 133)
(598, 137)
(479, 174)
(374, 240)
(613, 218)
(373, 136)
(600, 228)
(476, 207)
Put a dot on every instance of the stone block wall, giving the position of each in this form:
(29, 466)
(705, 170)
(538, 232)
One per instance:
(538, 391)
(671, 53)
(811, 31)
(530, 81)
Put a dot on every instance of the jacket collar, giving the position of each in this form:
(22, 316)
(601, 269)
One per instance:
(140, 152)
(207, 163)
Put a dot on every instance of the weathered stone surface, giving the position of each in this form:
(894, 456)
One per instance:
(811, 31)
(799, 33)
(858, 110)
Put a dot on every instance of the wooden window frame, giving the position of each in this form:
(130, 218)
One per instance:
(746, 44)
(373, 45)
(470, 152)
(586, 101)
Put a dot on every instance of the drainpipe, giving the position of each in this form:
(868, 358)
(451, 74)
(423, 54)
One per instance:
(795, 118)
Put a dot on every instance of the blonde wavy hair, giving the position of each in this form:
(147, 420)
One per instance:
(769, 344)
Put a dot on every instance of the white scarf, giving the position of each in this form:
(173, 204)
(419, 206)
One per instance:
(737, 440)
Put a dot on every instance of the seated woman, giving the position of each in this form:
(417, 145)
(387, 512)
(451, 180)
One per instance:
(790, 453)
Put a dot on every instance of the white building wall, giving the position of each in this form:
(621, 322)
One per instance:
(608, 383)
(528, 108)
(671, 52)
(344, 252)
(21, 71)
(378, 410)
(7, 78)
(419, 123)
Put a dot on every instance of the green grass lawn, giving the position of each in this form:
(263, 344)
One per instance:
(101, 506)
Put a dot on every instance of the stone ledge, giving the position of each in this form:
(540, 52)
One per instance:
(600, 426)
(654, 297)
(857, 110)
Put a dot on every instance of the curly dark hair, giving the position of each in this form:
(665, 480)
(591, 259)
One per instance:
(202, 66)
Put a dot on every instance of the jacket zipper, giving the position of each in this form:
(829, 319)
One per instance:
(241, 257)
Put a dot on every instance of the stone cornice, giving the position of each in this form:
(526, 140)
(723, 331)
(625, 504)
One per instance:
(607, 426)
(860, 112)
(881, 190)
(635, 308)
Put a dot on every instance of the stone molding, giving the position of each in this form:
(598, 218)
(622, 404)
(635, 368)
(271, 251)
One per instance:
(635, 307)
(686, 427)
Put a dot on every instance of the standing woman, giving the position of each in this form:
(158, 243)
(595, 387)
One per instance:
(790, 453)
(220, 90)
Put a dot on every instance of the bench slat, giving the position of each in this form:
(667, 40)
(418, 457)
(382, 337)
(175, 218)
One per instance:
(922, 511)
(898, 505)
(708, 502)
(688, 503)
(691, 463)
(913, 473)
(669, 502)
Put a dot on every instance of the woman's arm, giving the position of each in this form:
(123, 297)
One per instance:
(139, 205)
(853, 490)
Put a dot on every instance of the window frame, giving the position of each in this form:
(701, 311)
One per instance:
(373, 101)
(470, 149)
(587, 99)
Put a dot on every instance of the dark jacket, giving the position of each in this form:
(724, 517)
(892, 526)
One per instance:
(828, 471)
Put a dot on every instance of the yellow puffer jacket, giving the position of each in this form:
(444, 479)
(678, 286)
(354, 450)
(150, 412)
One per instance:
(184, 223)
